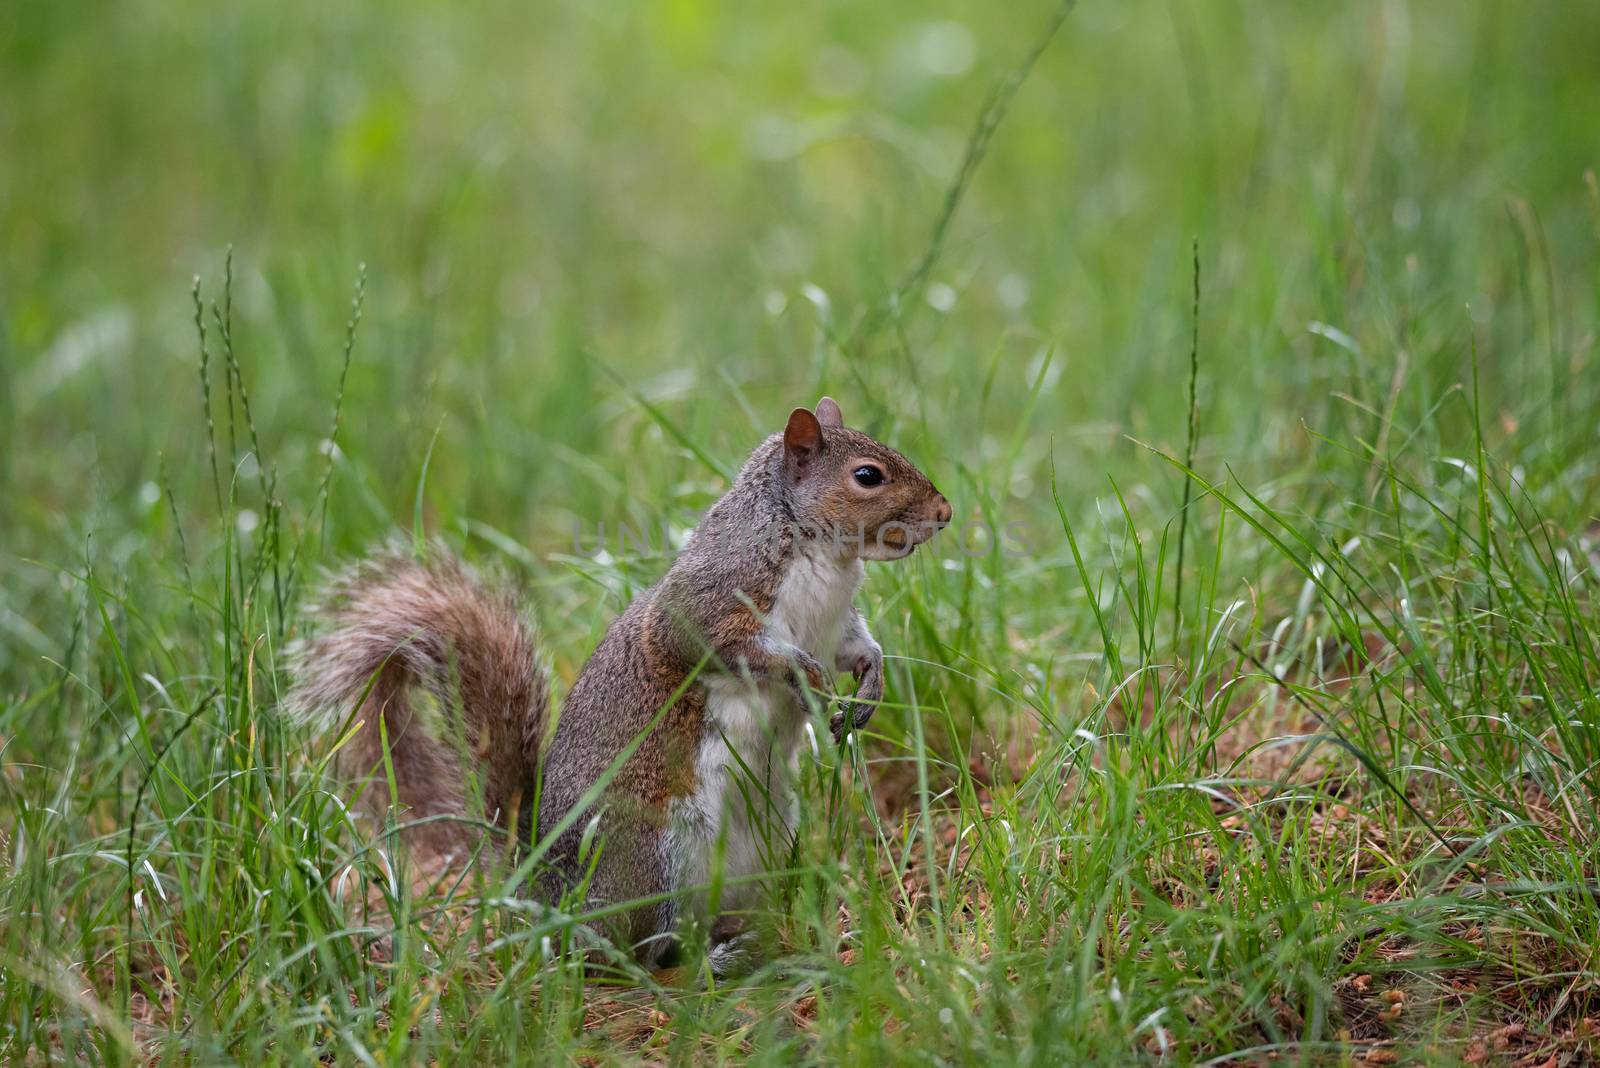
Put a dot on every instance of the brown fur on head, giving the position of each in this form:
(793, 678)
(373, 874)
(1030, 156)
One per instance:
(865, 496)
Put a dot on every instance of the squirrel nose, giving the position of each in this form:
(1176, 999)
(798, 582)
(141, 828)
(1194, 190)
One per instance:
(942, 512)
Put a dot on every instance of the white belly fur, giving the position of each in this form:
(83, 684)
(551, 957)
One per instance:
(748, 800)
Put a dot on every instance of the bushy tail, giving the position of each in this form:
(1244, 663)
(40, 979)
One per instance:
(399, 626)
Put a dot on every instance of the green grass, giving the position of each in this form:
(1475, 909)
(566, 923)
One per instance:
(1345, 806)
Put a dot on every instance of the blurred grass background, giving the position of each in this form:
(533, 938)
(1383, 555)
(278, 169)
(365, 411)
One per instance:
(570, 215)
(687, 198)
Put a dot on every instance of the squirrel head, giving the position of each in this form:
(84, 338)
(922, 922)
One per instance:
(867, 498)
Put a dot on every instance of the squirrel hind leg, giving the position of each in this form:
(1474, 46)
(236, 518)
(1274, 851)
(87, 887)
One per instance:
(734, 951)
(729, 956)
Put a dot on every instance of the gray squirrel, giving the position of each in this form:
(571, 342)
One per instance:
(755, 612)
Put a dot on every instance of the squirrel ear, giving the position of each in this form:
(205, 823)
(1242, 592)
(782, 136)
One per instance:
(828, 414)
(802, 438)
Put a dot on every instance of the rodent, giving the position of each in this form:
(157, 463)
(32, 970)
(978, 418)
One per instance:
(756, 608)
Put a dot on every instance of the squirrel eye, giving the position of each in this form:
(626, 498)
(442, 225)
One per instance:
(868, 475)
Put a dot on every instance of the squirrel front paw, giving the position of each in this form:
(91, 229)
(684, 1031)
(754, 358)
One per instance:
(868, 670)
(807, 667)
